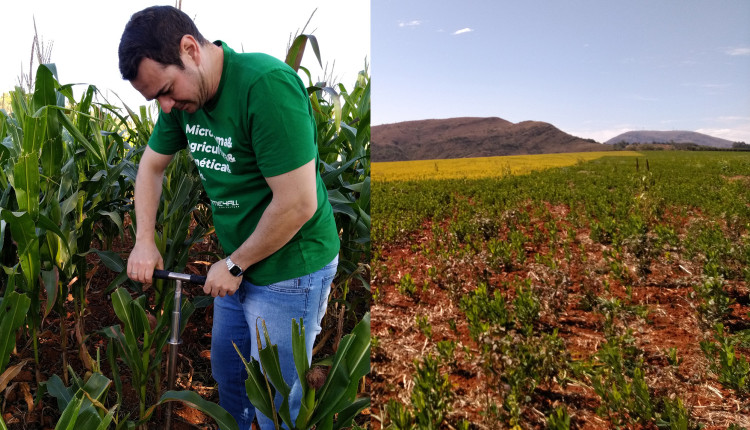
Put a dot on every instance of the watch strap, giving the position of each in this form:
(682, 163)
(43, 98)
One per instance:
(233, 268)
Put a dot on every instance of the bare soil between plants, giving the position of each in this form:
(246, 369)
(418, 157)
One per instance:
(665, 290)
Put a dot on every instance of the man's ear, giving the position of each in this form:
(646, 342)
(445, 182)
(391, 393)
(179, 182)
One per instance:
(190, 47)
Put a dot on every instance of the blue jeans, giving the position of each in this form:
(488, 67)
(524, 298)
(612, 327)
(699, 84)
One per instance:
(234, 321)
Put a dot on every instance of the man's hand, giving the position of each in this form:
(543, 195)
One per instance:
(220, 282)
(142, 261)
(145, 256)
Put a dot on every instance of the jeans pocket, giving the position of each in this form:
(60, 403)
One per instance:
(289, 286)
(325, 291)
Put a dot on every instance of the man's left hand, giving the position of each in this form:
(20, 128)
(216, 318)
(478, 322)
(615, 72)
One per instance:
(220, 282)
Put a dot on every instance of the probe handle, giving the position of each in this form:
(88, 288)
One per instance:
(193, 279)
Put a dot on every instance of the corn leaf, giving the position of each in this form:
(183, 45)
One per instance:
(50, 279)
(57, 389)
(23, 231)
(192, 399)
(121, 303)
(347, 415)
(104, 425)
(350, 363)
(299, 350)
(33, 133)
(297, 50)
(269, 359)
(70, 415)
(44, 87)
(77, 135)
(255, 386)
(26, 183)
(111, 260)
(47, 224)
(14, 308)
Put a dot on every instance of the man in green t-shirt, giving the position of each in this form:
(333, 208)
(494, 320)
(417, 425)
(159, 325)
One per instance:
(248, 124)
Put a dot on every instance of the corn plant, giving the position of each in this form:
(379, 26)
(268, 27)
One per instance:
(343, 132)
(333, 405)
(73, 195)
(81, 403)
(140, 345)
(33, 156)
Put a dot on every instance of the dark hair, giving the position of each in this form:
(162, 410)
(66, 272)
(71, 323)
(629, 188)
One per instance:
(155, 33)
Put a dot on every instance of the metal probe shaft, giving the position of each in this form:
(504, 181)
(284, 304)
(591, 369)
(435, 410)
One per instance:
(174, 340)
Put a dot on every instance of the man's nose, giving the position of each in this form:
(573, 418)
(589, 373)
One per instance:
(166, 103)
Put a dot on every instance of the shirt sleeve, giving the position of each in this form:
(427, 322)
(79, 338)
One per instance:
(168, 137)
(281, 123)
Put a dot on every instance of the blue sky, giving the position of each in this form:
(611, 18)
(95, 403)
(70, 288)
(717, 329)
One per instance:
(85, 35)
(591, 68)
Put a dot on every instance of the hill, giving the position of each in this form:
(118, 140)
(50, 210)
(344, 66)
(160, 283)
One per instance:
(471, 137)
(651, 136)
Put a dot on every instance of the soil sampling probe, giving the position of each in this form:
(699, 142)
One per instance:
(174, 338)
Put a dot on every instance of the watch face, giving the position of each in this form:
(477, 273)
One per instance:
(235, 270)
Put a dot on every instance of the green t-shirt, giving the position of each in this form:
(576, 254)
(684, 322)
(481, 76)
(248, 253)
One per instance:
(259, 124)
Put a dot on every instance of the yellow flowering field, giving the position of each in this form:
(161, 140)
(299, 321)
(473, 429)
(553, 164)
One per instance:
(473, 168)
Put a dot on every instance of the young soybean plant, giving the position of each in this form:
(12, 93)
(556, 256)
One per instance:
(338, 395)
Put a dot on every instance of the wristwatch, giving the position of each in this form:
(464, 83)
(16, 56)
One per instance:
(234, 269)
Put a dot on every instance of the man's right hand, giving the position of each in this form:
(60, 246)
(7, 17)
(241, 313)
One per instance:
(144, 258)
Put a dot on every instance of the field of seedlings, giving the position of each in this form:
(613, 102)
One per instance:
(83, 347)
(611, 293)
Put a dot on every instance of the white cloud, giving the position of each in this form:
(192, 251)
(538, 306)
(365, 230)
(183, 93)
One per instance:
(733, 118)
(462, 31)
(412, 23)
(739, 134)
(738, 51)
(730, 127)
(602, 135)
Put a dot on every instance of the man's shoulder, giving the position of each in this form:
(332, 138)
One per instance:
(259, 62)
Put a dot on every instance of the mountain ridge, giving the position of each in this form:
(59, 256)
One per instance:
(464, 137)
(675, 136)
